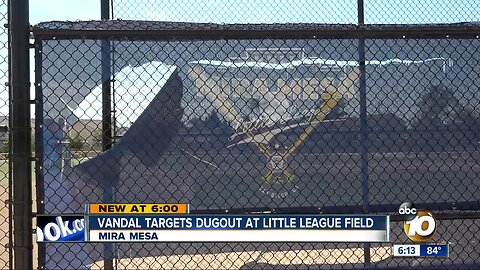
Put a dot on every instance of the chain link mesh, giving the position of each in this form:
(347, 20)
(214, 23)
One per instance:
(257, 124)
(426, 11)
(300, 11)
(264, 11)
(4, 141)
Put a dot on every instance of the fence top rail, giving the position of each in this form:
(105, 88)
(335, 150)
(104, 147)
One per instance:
(151, 30)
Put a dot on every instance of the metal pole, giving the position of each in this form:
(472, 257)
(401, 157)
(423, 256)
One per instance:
(107, 137)
(363, 125)
(10, 177)
(106, 89)
(40, 187)
(20, 134)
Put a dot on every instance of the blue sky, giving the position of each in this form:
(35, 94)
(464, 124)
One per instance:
(255, 11)
(262, 11)
(48, 10)
(281, 11)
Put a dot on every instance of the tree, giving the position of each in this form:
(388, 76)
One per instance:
(76, 143)
(4, 146)
(438, 106)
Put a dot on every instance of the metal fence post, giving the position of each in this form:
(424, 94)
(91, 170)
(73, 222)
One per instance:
(20, 133)
(363, 124)
(10, 120)
(107, 136)
(39, 147)
(106, 89)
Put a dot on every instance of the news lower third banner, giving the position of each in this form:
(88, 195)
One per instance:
(143, 208)
(174, 223)
(238, 228)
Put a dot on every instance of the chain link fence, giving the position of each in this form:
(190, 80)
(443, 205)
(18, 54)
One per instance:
(5, 183)
(300, 11)
(282, 118)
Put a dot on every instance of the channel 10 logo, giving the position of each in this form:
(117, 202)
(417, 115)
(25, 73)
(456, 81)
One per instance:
(419, 225)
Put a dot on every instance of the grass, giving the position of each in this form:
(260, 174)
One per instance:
(4, 169)
(3, 172)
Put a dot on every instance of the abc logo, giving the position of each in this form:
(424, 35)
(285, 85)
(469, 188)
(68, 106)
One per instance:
(419, 224)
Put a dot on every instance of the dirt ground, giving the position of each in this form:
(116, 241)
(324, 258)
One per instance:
(4, 230)
(235, 260)
(4, 255)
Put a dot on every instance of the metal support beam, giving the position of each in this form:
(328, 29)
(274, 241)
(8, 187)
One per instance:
(107, 136)
(105, 9)
(10, 177)
(39, 147)
(363, 125)
(181, 32)
(106, 87)
(21, 133)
